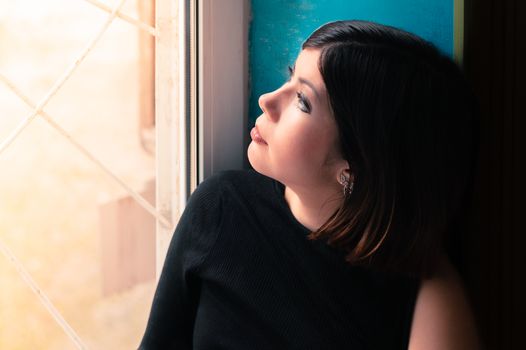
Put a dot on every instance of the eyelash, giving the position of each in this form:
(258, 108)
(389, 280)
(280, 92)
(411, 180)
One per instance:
(303, 103)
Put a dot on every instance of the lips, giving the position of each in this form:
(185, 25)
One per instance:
(256, 137)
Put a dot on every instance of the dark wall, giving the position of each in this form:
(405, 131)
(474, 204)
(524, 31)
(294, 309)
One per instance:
(494, 252)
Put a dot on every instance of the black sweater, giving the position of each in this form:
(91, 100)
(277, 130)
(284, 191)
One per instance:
(240, 274)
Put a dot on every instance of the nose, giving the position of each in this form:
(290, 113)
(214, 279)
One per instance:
(269, 104)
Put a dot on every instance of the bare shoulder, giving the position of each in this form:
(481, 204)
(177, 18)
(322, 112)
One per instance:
(443, 318)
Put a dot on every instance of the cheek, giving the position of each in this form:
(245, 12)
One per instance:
(300, 147)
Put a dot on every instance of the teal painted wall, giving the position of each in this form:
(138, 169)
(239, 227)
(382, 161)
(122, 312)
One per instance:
(279, 27)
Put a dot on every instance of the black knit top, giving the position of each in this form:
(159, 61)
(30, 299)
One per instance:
(241, 274)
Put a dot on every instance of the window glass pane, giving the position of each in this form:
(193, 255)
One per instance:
(84, 240)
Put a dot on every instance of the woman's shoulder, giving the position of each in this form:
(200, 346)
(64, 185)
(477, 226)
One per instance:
(236, 175)
(443, 318)
(234, 191)
(220, 196)
(233, 181)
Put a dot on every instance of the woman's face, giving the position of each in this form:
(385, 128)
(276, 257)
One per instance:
(295, 140)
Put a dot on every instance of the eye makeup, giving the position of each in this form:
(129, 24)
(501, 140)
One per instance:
(303, 102)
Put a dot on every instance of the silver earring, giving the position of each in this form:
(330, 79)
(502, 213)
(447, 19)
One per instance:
(347, 186)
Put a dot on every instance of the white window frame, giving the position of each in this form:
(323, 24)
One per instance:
(222, 84)
(201, 121)
(170, 128)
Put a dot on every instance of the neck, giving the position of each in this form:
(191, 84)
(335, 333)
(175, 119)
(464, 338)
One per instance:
(313, 207)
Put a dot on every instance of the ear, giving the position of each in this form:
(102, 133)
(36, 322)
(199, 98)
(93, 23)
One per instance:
(343, 168)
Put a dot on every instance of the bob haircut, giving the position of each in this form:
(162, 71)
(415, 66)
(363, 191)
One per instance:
(408, 128)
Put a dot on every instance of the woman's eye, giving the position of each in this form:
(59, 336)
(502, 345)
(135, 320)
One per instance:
(303, 103)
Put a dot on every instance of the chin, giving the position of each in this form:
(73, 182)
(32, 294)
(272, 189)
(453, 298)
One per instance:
(256, 162)
(261, 164)
(253, 159)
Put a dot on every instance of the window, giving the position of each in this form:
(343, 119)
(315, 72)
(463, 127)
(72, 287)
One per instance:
(91, 183)
(79, 167)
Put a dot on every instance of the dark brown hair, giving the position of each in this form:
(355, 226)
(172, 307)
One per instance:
(408, 129)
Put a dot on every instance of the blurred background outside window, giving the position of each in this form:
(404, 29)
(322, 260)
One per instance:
(84, 240)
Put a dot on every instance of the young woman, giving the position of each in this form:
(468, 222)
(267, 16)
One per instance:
(335, 239)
